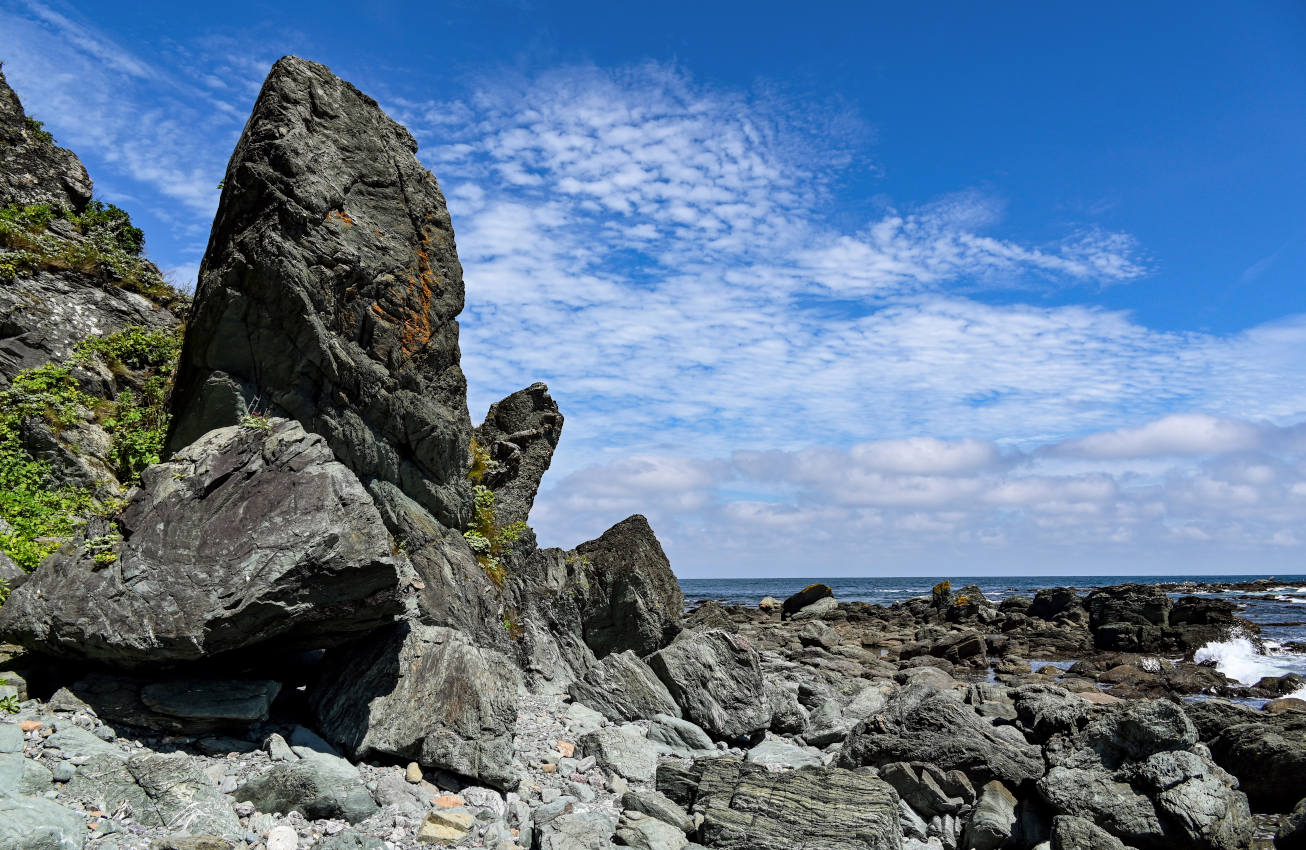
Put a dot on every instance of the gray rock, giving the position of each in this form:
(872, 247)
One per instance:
(788, 716)
(624, 753)
(657, 805)
(1072, 833)
(576, 831)
(242, 700)
(318, 785)
(75, 741)
(638, 830)
(1291, 833)
(11, 738)
(774, 751)
(35, 171)
(348, 839)
(34, 823)
(423, 693)
(1268, 755)
(1096, 796)
(676, 736)
(716, 679)
(746, 806)
(818, 608)
(519, 433)
(633, 600)
(994, 818)
(818, 633)
(624, 688)
(921, 724)
(249, 537)
(920, 789)
(23, 776)
(167, 791)
(329, 293)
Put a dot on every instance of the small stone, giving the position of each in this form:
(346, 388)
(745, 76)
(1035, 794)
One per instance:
(63, 772)
(278, 749)
(435, 829)
(581, 791)
(447, 801)
(282, 838)
(30, 725)
(548, 795)
(566, 748)
(104, 733)
(548, 768)
(618, 785)
(413, 773)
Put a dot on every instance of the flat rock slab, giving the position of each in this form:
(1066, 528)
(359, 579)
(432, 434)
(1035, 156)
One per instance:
(34, 823)
(167, 791)
(746, 806)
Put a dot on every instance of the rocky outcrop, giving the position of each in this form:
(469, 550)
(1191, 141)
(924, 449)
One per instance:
(1268, 755)
(633, 600)
(329, 293)
(920, 723)
(33, 169)
(808, 596)
(424, 693)
(1142, 618)
(716, 679)
(250, 537)
(745, 806)
(1133, 771)
(519, 435)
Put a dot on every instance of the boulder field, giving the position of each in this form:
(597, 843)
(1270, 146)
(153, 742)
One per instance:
(318, 618)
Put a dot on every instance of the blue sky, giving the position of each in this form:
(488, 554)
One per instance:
(868, 289)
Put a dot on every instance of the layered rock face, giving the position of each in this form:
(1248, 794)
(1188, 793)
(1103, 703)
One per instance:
(34, 170)
(246, 537)
(329, 293)
(519, 434)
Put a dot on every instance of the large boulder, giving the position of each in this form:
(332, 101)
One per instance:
(422, 693)
(35, 823)
(920, 723)
(622, 687)
(745, 806)
(519, 435)
(251, 537)
(633, 600)
(805, 598)
(1268, 755)
(1136, 771)
(329, 293)
(716, 679)
(167, 791)
(319, 785)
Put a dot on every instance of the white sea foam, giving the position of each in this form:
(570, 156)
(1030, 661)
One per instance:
(1238, 659)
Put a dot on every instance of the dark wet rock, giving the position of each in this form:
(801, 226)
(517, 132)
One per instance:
(922, 724)
(190, 706)
(250, 537)
(1291, 834)
(918, 787)
(716, 679)
(1053, 602)
(34, 170)
(519, 433)
(423, 693)
(633, 600)
(316, 784)
(1268, 755)
(809, 595)
(622, 687)
(329, 293)
(745, 806)
(1046, 710)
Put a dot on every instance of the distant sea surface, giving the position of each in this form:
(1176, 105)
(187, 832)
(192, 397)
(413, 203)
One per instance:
(1281, 612)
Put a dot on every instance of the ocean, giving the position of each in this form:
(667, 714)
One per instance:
(1280, 613)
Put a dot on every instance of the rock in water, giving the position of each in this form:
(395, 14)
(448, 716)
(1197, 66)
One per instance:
(249, 537)
(423, 693)
(633, 601)
(329, 293)
(519, 433)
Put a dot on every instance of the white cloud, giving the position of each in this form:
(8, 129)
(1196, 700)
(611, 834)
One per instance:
(1178, 434)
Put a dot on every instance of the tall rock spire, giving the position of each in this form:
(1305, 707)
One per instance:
(330, 290)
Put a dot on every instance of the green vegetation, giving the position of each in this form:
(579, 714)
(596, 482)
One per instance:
(481, 462)
(8, 704)
(41, 512)
(37, 128)
(487, 538)
(104, 244)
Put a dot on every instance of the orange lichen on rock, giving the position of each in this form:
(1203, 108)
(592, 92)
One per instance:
(416, 330)
(340, 216)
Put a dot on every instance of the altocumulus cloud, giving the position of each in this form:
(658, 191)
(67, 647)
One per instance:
(779, 393)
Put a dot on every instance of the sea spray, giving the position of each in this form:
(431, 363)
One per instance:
(1239, 658)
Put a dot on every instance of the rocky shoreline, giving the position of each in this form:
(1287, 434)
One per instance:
(305, 610)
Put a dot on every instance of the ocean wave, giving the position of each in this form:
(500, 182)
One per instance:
(1239, 659)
